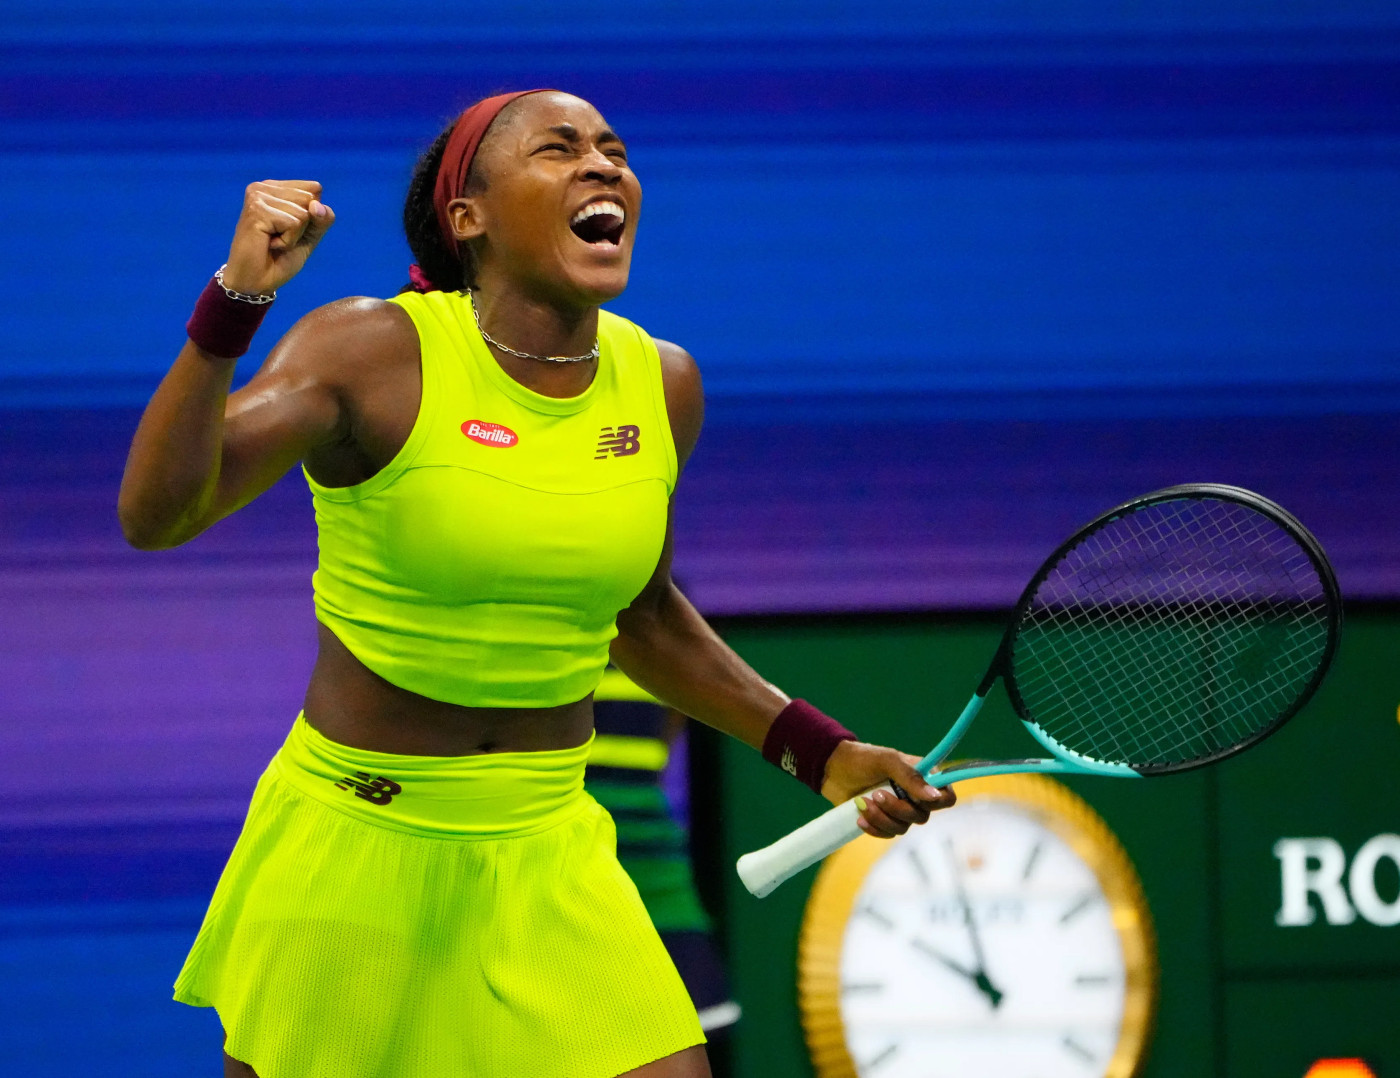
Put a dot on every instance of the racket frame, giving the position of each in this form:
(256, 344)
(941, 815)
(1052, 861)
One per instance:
(1004, 663)
(1066, 760)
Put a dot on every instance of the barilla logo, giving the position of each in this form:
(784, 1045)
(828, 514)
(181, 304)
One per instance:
(490, 433)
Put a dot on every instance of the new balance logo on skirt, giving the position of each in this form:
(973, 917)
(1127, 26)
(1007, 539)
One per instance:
(377, 791)
(618, 441)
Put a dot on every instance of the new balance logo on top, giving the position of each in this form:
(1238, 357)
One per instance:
(789, 761)
(619, 441)
(377, 791)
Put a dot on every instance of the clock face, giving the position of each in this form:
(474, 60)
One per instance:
(990, 942)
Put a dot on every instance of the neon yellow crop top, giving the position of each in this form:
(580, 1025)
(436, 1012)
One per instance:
(486, 563)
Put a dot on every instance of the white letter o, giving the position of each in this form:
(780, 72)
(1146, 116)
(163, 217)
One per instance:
(1361, 881)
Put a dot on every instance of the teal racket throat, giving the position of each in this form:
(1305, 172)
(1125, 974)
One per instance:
(1065, 761)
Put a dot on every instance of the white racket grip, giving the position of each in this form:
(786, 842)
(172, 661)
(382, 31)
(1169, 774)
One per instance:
(762, 870)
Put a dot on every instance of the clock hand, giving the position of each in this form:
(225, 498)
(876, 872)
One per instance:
(989, 990)
(939, 956)
(980, 978)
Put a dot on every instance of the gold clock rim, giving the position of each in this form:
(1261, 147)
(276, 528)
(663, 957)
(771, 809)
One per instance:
(832, 900)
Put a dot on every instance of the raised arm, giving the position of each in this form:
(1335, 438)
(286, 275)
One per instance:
(665, 646)
(199, 453)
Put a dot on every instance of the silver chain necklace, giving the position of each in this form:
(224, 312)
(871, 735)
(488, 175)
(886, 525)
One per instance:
(529, 355)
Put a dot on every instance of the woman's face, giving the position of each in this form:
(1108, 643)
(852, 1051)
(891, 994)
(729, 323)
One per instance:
(559, 211)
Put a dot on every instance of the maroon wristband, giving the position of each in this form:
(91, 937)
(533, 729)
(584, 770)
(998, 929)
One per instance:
(224, 326)
(801, 740)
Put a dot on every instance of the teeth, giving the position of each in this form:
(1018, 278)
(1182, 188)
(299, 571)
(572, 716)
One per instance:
(595, 208)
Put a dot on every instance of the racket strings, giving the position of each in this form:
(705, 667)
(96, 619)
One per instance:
(1139, 693)
(1230, 583)
(1142, 691)
(1145, 691)
(1173, 633)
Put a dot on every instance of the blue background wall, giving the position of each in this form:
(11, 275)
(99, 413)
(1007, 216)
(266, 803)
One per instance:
(996, 209)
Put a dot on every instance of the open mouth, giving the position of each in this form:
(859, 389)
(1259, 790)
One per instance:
(599, 223)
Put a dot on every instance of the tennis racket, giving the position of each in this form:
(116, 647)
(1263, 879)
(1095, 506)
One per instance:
(1171, 632)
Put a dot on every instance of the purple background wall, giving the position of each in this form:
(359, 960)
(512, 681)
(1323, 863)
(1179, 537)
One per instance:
(147, 690)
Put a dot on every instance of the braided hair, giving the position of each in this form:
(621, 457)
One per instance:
(445, 269)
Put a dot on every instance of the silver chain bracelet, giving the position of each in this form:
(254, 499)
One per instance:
(256, 298)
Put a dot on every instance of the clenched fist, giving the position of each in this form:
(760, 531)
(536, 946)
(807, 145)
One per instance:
(281, 223)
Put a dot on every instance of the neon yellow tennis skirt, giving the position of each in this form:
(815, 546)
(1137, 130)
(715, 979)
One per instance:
(432, 917)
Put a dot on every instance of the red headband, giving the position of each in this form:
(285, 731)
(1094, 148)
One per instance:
(467, 133)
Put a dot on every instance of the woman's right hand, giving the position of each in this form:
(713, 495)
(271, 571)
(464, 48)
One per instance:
(281, 223)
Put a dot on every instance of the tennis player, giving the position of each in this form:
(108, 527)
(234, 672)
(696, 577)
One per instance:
(422, 888)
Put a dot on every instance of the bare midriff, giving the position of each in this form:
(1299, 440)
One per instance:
(352, 705)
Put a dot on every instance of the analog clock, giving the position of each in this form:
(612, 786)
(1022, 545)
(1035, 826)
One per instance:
(1008, 937)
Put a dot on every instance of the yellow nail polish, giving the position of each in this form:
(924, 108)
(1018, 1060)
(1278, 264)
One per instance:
(860, 803)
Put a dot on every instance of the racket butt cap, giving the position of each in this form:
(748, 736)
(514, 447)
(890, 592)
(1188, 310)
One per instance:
(762, 870)
(756, 874)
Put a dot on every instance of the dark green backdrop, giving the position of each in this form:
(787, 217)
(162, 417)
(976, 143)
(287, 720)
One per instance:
(1240, 996)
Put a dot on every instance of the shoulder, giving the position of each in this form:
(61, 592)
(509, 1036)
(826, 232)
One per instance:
(685, 396)
(348, 332)
(345, 349)
(334, 357)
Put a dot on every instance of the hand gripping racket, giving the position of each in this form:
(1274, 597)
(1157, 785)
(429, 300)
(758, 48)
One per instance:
(1171, 632)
